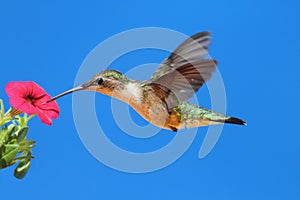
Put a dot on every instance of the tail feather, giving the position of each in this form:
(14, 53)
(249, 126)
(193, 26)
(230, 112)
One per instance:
(233, 120)
(230, 120)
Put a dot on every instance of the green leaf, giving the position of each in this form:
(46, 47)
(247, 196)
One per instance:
(22, 120)
(22, 168)
(3, 136)
(11, 132)
(4, 120)
(1, 109)
(21, 134)
(7, 155)
(6, 134)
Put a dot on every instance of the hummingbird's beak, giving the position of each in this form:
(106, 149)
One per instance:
(67, 92)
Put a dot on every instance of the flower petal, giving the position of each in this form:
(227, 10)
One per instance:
(15, 89)
(51, 109)
(22, 105)
(43, 117)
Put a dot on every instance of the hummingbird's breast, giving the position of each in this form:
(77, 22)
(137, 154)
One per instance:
(144, 101)
(151, 108)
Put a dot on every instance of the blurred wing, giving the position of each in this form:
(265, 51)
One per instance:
(184, 71)
(192, 49)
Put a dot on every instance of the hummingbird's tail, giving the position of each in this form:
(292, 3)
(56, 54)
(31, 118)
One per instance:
(216, 118)
(213, 117)
(194, 116)
(234, 120)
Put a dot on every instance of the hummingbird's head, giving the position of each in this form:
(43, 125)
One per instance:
(103, 82)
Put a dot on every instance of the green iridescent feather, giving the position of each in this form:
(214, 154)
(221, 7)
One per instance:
(113, 74)
(189, 112)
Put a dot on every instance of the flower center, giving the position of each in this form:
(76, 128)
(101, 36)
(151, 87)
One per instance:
(29, 98)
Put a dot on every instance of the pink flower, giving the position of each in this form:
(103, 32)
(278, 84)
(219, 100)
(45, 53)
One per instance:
(30, 98)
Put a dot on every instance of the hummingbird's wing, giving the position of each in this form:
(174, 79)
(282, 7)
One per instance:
(191, 50)
(184, 71)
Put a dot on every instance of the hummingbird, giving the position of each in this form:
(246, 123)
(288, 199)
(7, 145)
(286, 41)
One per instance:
(162, 100)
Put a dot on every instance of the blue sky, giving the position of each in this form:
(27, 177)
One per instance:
(257, 46)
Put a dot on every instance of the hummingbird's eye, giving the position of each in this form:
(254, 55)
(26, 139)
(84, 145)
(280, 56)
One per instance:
(99, 81)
